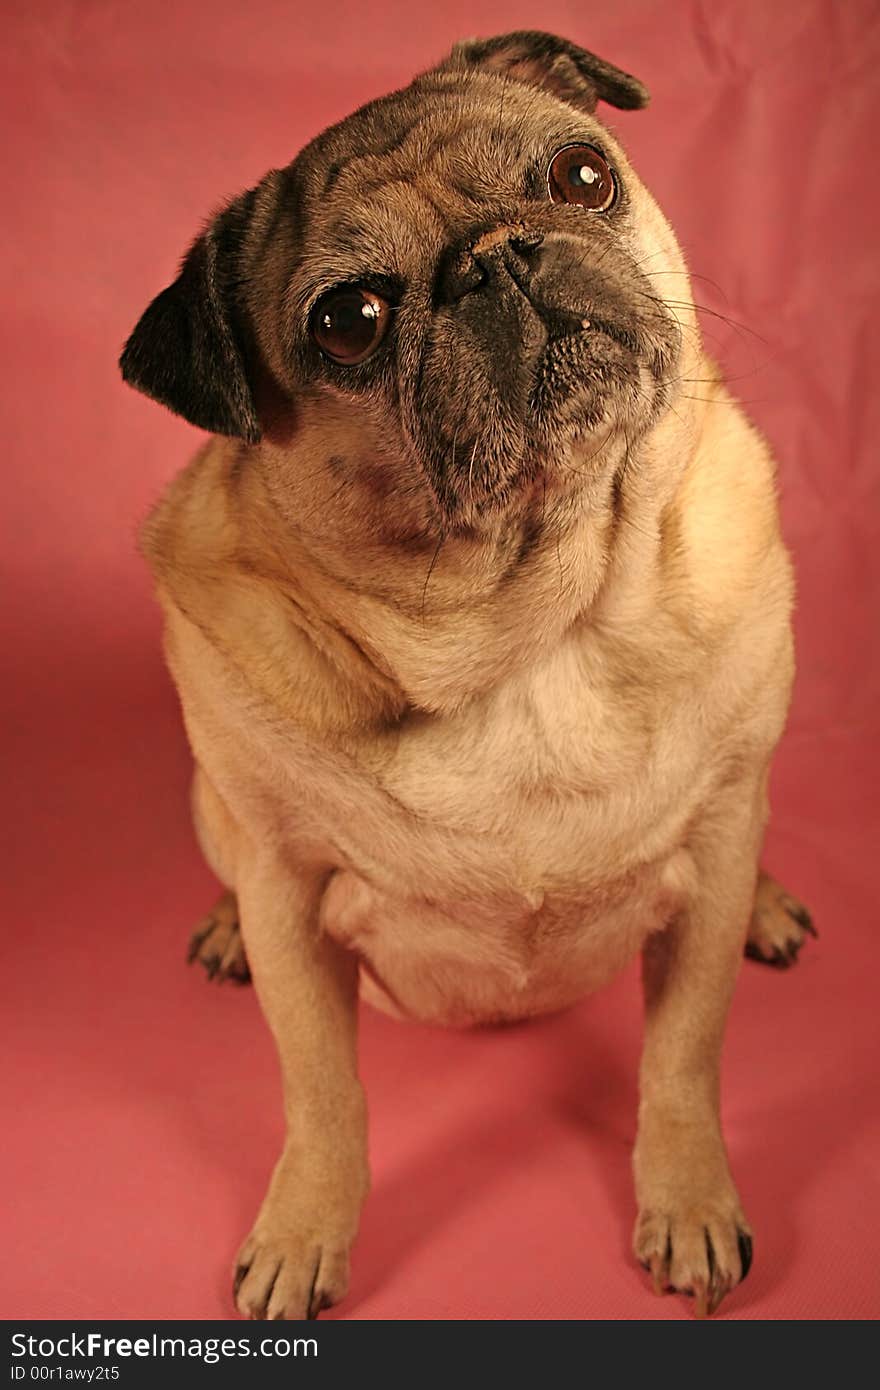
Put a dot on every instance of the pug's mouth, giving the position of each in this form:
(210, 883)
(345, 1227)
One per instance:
(586, 376)
(589, 357)
(554, 379)
(582, 393)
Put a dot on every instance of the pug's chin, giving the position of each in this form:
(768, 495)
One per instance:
(553, 467)
(583, 384)
(572, 428)
(569, 444)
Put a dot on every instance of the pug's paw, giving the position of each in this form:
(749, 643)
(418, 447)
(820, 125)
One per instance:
(296, 1259)
(217, 943)
(779, 927)
(698, 1246)
(290, 1275)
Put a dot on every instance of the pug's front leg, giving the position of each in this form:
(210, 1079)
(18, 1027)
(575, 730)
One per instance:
(296, 1259)
(691, 1232)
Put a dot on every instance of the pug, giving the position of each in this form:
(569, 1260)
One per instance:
(479, 615)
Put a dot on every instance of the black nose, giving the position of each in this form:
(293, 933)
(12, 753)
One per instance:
(466, 268)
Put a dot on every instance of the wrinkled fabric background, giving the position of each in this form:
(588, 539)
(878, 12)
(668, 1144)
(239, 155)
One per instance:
(144, 1106)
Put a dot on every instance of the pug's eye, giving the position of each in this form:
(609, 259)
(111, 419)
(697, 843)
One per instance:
(349, 324)
(579, 174)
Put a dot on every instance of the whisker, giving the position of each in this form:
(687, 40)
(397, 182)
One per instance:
(715, 314)
(434, 559)
(471, 471)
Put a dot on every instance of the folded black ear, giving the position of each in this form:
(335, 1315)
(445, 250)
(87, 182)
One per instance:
(558, 66)
(187, 350)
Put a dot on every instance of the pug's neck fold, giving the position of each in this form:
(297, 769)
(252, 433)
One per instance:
(416, 616)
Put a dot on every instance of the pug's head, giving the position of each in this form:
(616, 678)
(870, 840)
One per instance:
(455, 294)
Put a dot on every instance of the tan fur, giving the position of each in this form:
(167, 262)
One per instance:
(595, 755)
(491, 782)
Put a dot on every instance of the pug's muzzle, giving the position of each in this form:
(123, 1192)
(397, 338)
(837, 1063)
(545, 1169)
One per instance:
(539, 339)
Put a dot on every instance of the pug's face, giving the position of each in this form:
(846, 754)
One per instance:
(463, 286)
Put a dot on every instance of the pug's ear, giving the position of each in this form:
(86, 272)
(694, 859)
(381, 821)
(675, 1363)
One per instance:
(187, 350)
(543, 60)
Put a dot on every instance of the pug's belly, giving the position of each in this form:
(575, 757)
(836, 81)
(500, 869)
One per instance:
(497, 959)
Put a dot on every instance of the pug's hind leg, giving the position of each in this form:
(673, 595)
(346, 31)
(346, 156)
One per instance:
(779, 925)
(217, 943)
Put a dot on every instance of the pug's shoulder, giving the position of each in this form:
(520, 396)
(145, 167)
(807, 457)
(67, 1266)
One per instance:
(723, 562)
(232, 606)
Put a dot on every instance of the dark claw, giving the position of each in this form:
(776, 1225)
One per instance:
(198, 937)
(716, 1289)
(237, 1282)
(746, 1251)
(212, 966)
(803, 918)
(779, 960)
(322, 1303)
(268, 1299)
(313, 1309)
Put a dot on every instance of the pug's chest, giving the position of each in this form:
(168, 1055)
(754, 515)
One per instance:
(495, 954)
(550, 788)
(517, 860)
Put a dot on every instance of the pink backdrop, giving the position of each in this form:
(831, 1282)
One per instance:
(144, 1104)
